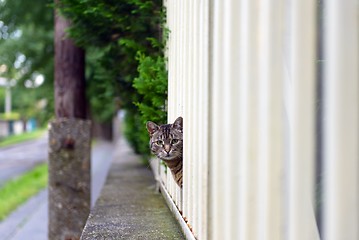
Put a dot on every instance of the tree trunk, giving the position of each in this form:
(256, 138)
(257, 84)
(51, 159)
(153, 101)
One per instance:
(70, 100)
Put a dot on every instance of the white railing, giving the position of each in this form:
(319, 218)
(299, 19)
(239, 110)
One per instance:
(243, 74)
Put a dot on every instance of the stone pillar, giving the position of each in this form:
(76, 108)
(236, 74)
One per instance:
(69, 177)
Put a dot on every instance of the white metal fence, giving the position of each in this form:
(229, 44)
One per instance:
(266, 156)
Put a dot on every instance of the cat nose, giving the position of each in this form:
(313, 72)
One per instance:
(167, 148)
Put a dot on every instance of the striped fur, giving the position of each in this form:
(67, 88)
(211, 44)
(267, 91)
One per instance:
(166, 142)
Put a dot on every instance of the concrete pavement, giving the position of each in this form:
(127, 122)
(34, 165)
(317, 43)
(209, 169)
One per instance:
(129, 207)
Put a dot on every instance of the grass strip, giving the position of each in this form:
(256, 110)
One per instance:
(13, 139)
(15, 192)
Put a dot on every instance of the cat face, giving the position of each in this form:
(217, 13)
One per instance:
(166, 140)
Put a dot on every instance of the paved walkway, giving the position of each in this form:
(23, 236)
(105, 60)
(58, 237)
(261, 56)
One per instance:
(29, 221)
(129, 207)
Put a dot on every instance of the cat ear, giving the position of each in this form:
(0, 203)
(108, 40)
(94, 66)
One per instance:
(151, 127)
(178, 124)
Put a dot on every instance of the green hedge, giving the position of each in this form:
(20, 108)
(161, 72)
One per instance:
(125, 64)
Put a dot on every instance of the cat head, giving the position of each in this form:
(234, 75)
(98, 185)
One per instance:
(166, 141)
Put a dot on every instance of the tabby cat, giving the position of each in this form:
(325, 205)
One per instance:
(166, 142)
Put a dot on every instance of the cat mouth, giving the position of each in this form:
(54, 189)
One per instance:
(168, 157)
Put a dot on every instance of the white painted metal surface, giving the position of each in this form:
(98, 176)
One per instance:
(242, 73)
(271, 121)
(248, 132)
(341, 213)
(301, 115)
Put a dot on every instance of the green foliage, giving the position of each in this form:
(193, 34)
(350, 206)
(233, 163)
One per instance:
(152, 85)
(123, 42)
(26, 30)
(135, 133)
(100, 88)
(17, 191)
(116, 30)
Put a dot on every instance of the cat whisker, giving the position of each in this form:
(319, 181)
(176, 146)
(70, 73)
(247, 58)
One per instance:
(149, 163)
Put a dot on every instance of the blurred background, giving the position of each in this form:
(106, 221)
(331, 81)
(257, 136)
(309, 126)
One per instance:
(122, 39)
(125, 78)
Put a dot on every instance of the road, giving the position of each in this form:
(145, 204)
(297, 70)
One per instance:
(19, 158)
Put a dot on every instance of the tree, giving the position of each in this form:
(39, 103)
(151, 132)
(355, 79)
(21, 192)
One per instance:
(116, 34)
(70, 100)
(26, 47)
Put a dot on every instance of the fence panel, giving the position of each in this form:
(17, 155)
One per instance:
(242, 74)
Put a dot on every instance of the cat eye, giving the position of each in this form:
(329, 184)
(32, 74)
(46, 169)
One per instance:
(174, 141)
(159, 142)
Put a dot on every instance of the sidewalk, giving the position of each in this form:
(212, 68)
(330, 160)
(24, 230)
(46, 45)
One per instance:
(30, 220)
(129, 207)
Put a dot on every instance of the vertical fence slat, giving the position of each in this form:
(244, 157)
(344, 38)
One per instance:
(271, 121)
(177, 104)
(249, 94)
(203, 120)
(196, 108)
(187, 189)
(200, 24)
(173, 85)
(170, 67)
(225, 120)
(186, 120)
(218, 210)
(301, 120)
(341, 120)
(191, 119)
(179, 86)
(232, 115)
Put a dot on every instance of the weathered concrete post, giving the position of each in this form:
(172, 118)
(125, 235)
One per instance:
(69, 142)
(69, 178)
